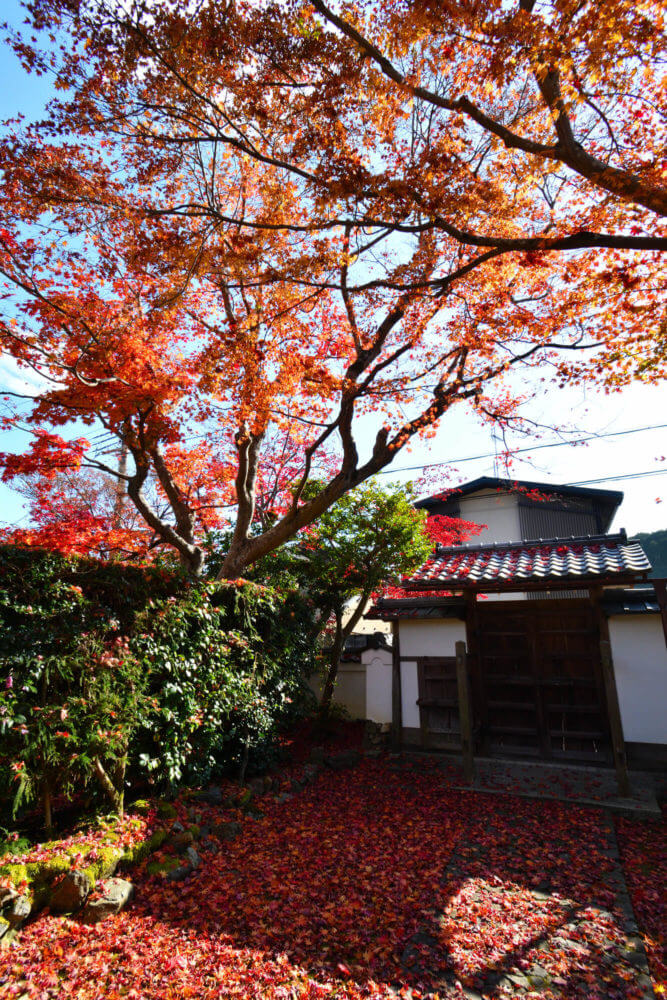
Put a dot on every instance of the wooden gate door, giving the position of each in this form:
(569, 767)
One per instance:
(438, 702)
(540, 680)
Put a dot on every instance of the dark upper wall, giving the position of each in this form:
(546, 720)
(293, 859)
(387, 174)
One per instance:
(545, 510)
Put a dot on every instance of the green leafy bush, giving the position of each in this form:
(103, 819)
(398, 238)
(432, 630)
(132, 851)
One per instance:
(110, 672)
(227, 666)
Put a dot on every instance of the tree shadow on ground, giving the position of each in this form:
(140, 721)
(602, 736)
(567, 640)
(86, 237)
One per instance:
(368, 883)
(381, 876)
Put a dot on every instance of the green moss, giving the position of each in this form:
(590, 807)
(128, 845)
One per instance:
(195, 830)
(42, 875)
(134, 855)
(141, 806)
(166, 810)
(105, 864)
(245, 798)
(167, 865)
(15, 873)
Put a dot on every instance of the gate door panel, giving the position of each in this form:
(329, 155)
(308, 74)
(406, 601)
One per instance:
(541, 680)
(438, 702)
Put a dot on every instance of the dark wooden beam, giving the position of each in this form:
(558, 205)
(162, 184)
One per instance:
(519, 586)
(661, 596)
(465, 712)
(396, 699)
(611, 693)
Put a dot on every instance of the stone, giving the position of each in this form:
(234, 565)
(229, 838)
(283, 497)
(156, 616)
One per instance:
(166, 810)
(7, 894)
(163, 867)
(116, 894)
(275, 784)
(343, 760)
(373, 754)
(181, 841)
(295, 785)
(18, 912)
(192, 857)
(284, 797)
(316, 755)
(177, 827)
(70, 893)
(204, 831)
(178, 874)
(141, 806)
(212, 795)
(245, 798)
(257, 785)
(226, 831)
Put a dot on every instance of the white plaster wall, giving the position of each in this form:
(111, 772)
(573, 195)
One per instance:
(640, 665)
(423, 638)
(499, 511)
(350, 689)
(378, 666)
(430, 638)
(409, 695)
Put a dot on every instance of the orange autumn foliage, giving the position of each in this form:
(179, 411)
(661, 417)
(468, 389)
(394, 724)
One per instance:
(245, 232)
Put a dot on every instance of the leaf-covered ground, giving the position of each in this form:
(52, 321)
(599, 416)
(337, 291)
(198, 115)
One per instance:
(370, 883)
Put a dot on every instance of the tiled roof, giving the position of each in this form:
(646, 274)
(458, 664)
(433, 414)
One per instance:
(641, 601)
(552, 560)
(389, 609)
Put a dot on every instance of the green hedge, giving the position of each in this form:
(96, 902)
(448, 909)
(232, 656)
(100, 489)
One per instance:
(112, 674)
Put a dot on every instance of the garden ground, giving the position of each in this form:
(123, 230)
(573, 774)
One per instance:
(377, 881)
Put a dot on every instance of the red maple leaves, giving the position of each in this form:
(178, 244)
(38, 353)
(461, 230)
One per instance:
(381, 881)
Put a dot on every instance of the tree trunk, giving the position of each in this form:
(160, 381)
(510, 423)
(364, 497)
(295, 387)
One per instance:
(115, 797)
(337, 650)
(48, 814)
(332, 671)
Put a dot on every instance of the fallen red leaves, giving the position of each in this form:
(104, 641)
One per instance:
(369, 883)
(643, 849)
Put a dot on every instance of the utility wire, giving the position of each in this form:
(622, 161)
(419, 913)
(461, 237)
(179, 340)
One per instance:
(537, 447)
(615, 479)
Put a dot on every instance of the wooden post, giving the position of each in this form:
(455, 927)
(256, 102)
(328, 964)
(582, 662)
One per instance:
(611, 694)
(465, 713)
(615, 723)
(396, 699)
(475, 664)
(661, 596)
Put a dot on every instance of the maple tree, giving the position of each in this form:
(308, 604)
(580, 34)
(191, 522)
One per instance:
(364, 543)
(243, 230)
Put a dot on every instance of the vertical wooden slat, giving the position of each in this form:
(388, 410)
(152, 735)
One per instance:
(396, 701)
(613, 707)
(465, 713)
(661, 595)
(475, 663)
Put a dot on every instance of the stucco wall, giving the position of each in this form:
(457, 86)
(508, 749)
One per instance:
(430, 638)
(499, 511)
(350, 689)
(640, 665)
(423, 638)
(378, 664)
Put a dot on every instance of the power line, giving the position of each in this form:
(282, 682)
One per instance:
(615, 479)
(537, 447)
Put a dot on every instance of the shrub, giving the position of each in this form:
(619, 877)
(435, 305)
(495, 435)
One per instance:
(227, 667)
(106, 667)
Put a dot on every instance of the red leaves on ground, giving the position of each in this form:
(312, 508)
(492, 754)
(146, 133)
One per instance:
(366, 882)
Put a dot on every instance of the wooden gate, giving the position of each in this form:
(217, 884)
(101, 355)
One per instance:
(539, 687)
(438, 702)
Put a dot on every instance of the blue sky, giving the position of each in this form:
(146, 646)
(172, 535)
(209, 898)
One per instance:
(582, 411)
